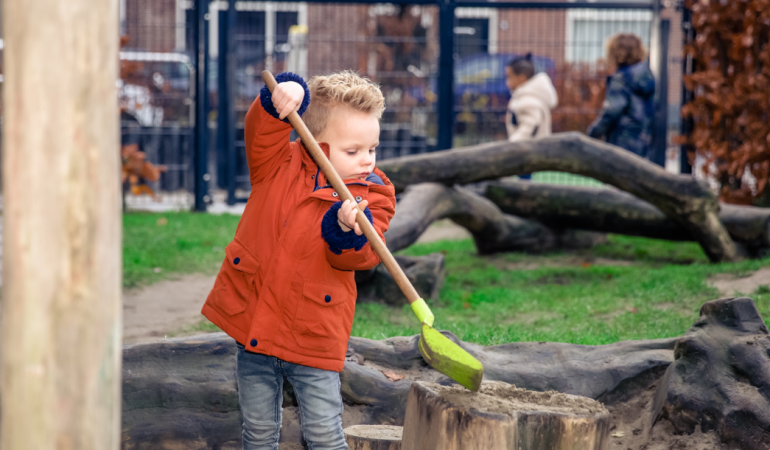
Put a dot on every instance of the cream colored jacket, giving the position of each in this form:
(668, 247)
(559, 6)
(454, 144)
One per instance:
(529, 111)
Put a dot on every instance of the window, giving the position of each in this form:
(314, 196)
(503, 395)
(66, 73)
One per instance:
(588, 30)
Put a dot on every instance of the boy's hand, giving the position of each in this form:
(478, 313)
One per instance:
(287, 97)
(346, 216)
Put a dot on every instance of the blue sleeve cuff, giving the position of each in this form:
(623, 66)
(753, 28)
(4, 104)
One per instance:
(266, 97)
(337, 239)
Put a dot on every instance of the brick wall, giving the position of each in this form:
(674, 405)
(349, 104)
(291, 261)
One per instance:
(151, 25)
(541, 32)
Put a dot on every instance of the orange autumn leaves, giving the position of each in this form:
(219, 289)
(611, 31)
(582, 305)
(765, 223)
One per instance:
(731, 83)
(137, 171)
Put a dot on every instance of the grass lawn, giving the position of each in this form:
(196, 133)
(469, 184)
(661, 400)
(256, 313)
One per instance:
(158, 245)
(629, 288)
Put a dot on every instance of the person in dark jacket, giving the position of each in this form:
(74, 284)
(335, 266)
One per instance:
(628, 110)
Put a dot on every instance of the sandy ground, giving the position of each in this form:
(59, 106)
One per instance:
(731, 286)
(152, 312)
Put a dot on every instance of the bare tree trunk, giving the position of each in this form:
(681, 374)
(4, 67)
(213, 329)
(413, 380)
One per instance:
(680, 198)
(614, 211)
(61, 327)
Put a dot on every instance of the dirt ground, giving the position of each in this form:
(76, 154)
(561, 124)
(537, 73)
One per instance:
(152, 312)
(730, 286)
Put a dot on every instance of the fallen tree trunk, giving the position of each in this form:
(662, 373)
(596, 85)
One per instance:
(613, 211)
(181, 393)
(492, 231)
(681, 198)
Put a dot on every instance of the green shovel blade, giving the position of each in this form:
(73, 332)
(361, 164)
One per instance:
(449, 358)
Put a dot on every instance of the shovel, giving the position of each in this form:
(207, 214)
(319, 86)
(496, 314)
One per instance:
(438, 351)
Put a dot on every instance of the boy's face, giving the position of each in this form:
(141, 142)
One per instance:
(513, 80)
(353, 137)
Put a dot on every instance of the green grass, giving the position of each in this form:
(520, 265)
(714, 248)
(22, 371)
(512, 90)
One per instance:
(491, 300)
(629, 288)
(186, 243)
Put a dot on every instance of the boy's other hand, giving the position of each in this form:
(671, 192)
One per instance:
(287, 97)
(346, 216)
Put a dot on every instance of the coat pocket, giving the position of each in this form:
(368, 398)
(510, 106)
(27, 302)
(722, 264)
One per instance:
(235, 283)
(319, 321)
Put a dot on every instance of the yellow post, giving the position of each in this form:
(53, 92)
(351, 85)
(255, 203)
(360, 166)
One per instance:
(61, 293)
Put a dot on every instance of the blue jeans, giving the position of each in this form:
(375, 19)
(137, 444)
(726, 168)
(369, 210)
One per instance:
(260, 393)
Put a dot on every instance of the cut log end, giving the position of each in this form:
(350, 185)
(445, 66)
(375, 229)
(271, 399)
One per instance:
(501, 417)
(373, 437)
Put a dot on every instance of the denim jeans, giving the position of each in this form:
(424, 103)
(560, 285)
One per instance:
(260, 392)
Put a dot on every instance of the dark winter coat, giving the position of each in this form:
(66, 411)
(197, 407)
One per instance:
(628, 110)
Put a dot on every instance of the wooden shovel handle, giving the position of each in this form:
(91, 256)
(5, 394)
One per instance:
(323, 162)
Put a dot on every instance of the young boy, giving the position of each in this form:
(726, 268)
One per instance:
(532, 99)
(286, 290)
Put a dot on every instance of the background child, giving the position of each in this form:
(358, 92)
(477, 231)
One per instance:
(532, 99)
(286, 290)
(629, 104)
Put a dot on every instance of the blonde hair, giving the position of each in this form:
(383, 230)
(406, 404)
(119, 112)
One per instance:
(625, 49)
(345, 88)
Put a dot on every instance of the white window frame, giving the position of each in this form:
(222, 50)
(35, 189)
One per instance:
(609, 15)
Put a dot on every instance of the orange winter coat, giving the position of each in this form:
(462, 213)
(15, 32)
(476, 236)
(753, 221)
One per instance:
(281, 290)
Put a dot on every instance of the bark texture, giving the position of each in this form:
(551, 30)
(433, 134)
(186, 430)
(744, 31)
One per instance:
(720, 379)
(426, 273)
(181, 393)
(614, 211)
(681, 198)
(433, 423)
(492, 230)
(61, 293)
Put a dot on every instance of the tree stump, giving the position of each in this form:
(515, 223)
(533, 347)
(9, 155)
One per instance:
(501, 417)
(373, 437)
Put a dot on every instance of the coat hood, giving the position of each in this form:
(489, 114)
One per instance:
(540, 87)
(639, 79)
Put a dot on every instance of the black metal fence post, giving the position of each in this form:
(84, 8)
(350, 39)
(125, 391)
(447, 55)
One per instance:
(200, 158)
(445, 80)
(226, 82)
(660, 132)
(687, 96)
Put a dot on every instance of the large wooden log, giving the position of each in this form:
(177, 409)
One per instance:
(614, 211)
(373, 437)
(501, 417)
(681, 198)
(492, 230)
(720, 379)
(61, 327)
(181, 393)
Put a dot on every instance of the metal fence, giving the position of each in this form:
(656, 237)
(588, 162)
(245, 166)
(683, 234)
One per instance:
(441, 67)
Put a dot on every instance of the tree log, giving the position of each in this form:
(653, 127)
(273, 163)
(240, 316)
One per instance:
(614, 211)
(720, 379)
(492, 230)
(61, 294)
(181, 393)
(681, 198)
(426, 273)
(373, 437)
(501, 417)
